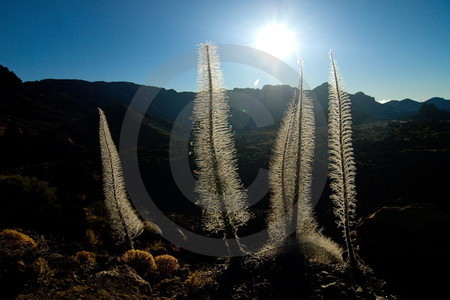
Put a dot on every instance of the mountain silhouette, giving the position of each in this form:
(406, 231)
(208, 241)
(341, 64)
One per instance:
(8, 79)
(429, 111)
(250, 107)
(403, 108)
(440, 103)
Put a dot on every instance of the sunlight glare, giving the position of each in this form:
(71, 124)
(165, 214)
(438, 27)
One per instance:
(277, 40)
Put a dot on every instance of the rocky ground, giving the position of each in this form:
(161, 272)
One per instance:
(35, 271)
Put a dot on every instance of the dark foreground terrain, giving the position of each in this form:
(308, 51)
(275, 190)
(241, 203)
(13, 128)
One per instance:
(51, 191)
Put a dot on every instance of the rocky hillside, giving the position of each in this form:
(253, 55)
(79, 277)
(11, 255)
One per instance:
(51, 195)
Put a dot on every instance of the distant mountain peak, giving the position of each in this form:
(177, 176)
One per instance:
(436, 99)
(323, 85)
(8, 79)
(441, 103)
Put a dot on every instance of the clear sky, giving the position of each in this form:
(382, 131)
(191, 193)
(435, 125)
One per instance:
(389, 49)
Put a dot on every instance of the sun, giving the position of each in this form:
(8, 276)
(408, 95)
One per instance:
(277, 40)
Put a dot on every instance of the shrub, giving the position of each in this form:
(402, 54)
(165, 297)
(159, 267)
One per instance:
(199, 280)
(13, 242)
(41, 270)
(85, 258)
(141, 261)
(151, 229)
(167, 264)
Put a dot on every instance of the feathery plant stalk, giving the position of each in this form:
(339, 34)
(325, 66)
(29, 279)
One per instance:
(125, 223)
(221, 193)
(281, 201)
(291, 169)
(304, 126)
(342, 168)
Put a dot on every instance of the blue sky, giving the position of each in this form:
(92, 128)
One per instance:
(386, 48)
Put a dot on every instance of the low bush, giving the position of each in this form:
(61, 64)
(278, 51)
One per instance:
(41, 270)
(15, 243)
(85, 258)
(142, 262)
(167, 264)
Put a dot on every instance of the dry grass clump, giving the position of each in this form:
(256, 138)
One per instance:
(167, 264)
(320, 249)
(151, 229)
(141, 261)
(13, 242)
(199, 280)
(41, 270)
(85, 258)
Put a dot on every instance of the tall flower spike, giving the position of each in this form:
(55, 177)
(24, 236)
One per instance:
(221, 193)
(291, 169)
(342, 168)
(125, 223)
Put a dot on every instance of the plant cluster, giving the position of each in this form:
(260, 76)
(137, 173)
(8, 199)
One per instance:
(291, 218)
(221, 194)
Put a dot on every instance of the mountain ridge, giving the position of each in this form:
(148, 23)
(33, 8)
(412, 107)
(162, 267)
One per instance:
(245, 102)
